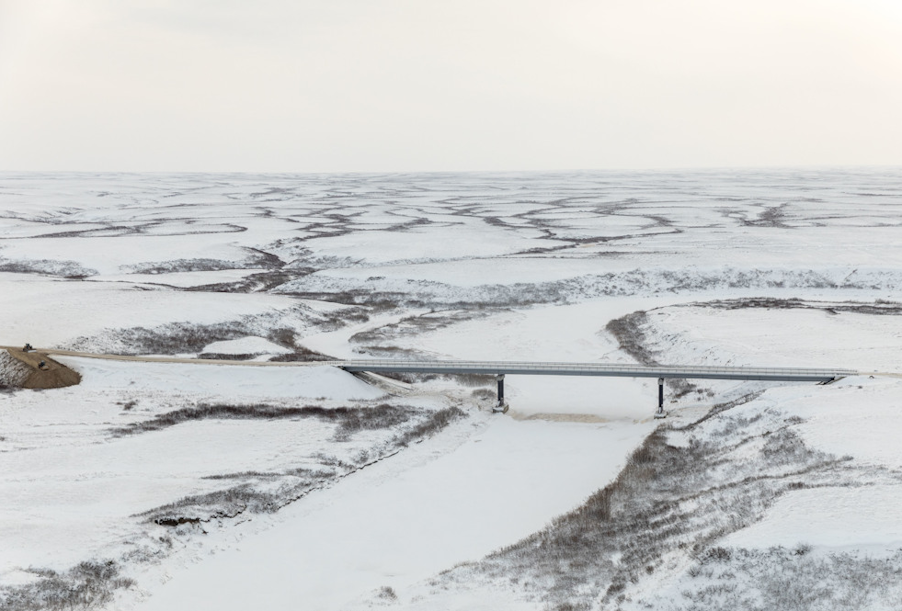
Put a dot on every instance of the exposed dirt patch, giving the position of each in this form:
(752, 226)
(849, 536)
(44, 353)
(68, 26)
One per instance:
(45, 372)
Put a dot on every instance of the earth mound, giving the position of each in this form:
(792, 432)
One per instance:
(34, 370)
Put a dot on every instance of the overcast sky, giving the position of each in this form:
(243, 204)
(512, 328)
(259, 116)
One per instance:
(411, 85)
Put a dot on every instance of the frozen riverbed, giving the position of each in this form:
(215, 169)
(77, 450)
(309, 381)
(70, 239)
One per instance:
(479, 487)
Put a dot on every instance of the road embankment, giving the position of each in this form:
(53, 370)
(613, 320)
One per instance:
(38, 371)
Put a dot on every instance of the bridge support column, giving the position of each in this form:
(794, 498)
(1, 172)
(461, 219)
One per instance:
(501, 406)
(660, 413)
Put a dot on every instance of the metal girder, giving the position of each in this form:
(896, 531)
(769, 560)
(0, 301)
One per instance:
(772, 374)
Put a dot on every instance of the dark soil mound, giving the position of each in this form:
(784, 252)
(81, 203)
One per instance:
(46, 373)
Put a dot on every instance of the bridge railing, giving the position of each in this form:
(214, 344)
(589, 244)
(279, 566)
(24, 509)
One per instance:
(617, 369)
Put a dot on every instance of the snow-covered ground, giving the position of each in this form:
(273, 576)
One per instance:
(181, 486)
(71, 482)
(811, 470)
(448, 501)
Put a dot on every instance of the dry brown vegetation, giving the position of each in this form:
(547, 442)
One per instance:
(629, 331)
(88, 585)
(727, 579)
(349, 419)
(254, 491)
(670, 498)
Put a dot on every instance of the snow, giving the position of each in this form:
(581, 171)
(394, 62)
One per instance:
(85, 496)
(113, 254)
(32, 313)
(232, 381)
(457, 241)
(781, 337)
(71, 490)
(245, 345)
(480, 271)
(847, 517)
(570, 333)
(337, 343)
(180, 279)
(857, 418)
(520, 267)
(392, 525)
(853, 421)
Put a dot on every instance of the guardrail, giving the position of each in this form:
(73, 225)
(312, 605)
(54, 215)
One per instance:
(782, 374)
(662, 372)
(776, 374)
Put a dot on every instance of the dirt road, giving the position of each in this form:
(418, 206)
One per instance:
(46, 352)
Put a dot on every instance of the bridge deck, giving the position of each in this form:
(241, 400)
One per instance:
(775, 374)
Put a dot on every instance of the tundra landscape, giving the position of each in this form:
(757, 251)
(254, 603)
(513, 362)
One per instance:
(261, 477)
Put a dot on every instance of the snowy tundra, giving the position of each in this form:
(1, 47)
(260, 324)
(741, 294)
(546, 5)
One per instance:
(179, 485)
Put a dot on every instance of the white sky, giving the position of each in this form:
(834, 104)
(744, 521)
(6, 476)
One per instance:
(408, 85)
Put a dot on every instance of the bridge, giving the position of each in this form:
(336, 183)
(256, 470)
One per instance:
(501, 368)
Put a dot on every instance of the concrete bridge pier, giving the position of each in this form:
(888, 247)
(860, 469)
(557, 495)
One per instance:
(660, 413)
(501, 406)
